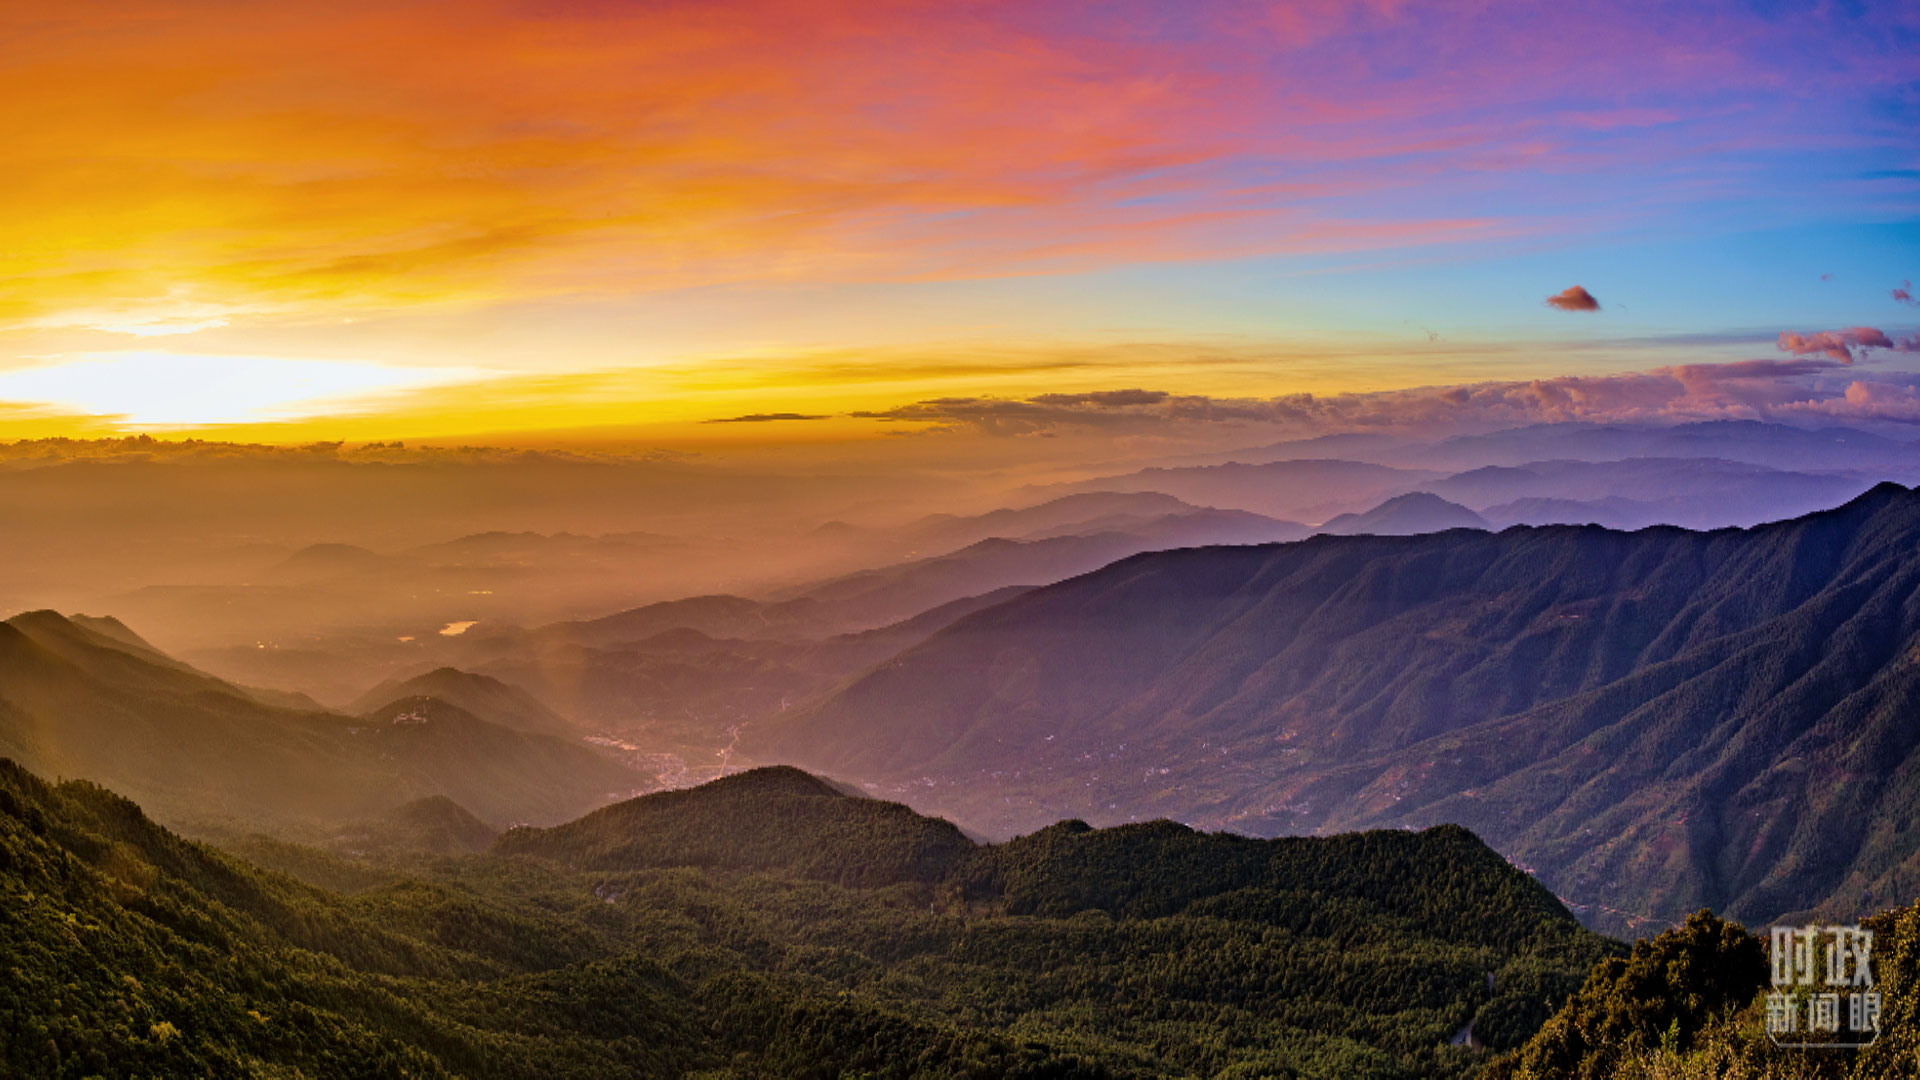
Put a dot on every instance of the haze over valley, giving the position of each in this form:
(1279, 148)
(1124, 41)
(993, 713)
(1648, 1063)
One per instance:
(1408, 648)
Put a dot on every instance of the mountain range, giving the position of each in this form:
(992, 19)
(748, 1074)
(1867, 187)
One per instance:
(1652, 721)
(88, 698)
(1695, 492)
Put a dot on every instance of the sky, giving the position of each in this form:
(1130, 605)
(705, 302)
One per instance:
(771, 221)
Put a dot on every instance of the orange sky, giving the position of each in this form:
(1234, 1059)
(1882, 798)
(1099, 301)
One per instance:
(580, 213)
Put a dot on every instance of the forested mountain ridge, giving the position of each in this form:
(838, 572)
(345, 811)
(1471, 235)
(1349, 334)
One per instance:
(130, 951)
(1654, 721)
(767, 820)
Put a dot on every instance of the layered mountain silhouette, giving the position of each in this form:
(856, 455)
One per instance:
(1034, 546)
(1309, 489)
(87, 698)
(1138, 513)
(705, 663)
(1700, 493)
(689, 682)
(1652, 721)
(1755, 442)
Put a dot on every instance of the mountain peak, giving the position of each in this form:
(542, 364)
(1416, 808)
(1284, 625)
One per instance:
(482, 696)
(781, 780)
(772, 819)
(1406, 515)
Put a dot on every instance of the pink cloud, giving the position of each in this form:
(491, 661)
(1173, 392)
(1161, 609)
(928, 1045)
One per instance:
(1904, 294)
(1843, 346)
(1573, 298)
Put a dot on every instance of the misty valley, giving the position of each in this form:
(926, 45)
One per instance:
(1097, 781)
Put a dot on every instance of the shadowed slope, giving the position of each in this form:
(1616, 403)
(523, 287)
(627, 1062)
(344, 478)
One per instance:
(196, 749)
(1656, 721)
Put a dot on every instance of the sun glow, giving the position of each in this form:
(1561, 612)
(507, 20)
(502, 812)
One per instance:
(163, 389)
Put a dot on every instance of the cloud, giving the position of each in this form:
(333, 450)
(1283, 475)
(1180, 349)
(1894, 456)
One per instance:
(1882, 401)
(1749, 389)
(763, 417)
(1904, 294)
(1105, 398)
(1843, 346)
(1573, 298)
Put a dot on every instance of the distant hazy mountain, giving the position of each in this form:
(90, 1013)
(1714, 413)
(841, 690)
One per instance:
(1061, 516)
(1743, 461)
(1654, 721)
(1406, 515)
(319, 562)
(1611, 512)
(685, 688)
(1754, 442)
(1698, 493)
(80, 703)
(482, 695)
(1310, 490)
(715, 616)
(499, 547)
(888, 594)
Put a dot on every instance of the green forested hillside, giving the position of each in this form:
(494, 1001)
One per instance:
(1654, 721)
(1690, 1005)
(773, 819)
(125, 950)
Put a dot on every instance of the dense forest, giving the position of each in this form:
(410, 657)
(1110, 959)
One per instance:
(772, 924)
(872, 941)
(1690, 1002)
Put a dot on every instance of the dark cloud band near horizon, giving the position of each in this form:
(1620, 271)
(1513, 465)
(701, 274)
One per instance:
(1819, 386)
(762, 418)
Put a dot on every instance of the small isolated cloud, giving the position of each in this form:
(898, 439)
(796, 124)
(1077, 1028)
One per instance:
(1573, 298)
(1844, 346)
(1826, 277)
(1904, 294)
(762, 417)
